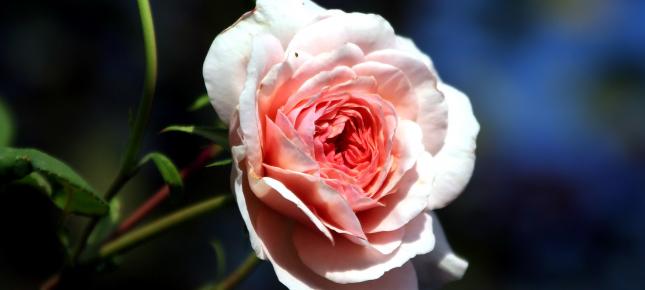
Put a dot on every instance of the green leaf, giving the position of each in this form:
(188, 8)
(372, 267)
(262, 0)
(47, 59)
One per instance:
(199, 103)
(67, 189)
(221, 162)
(166, 168)
(218, 136)
(6, 126)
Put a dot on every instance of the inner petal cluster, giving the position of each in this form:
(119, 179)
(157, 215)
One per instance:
(340, 124)
(352, 142)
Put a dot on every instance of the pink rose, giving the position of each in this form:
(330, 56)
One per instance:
(344, 139)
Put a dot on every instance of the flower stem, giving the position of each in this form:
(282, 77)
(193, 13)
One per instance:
(137, 236)
(239, 274)
(149, 84)
(140, 121)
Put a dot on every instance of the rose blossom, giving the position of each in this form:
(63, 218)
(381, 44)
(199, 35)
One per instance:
(344, 139)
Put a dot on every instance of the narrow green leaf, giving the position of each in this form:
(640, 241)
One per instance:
(68, 190)
(166, 168)
(218, 136)
(6, 125)
(199, 103)
(221, 162)
(220, 254)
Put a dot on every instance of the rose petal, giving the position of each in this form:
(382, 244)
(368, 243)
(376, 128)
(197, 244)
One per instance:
(370, 32)
(432, 116)
(405, 204)
(456, 160)
(407, 150)
(246, 202)
(311, 89)
(281, 152)
(441, 265)
(386, 242)
(283, 200)
(407, 45)
(408, 147)
(266, 51)
(393, 86)
(347, 262)
(347, 54)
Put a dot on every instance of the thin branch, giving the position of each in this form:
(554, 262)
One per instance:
(139, 235)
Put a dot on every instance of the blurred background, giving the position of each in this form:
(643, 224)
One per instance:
(556, 200)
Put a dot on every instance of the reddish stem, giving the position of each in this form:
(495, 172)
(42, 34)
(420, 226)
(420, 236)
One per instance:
(140, 213)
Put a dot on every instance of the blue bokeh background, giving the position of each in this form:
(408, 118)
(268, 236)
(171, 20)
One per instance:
(557, 200)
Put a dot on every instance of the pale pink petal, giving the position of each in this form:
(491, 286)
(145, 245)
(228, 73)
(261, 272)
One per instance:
(361, 85)
(407, 150)
(311, 89)
(268, 99)
(347, 262)
(370, 32)
(456, 160)
(328, 204)
(386, 242)
(286, 202)
(347, 54)
(225, 65)
(407, 45)
(246, 201)
(405, 204)
(393, 85)
(276, 232)
(409, 146)
(432, 116)
(285, 17)
(401, 278)
(441, 265)
(266, 52)
(281, 152)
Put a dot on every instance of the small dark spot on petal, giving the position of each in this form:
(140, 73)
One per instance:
(296, 53)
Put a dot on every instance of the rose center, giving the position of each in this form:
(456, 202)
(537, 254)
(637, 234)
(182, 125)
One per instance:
(345, 135)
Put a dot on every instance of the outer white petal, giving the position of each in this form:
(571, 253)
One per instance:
(265, 53)
(370, 32)
(456, 159)
(226, 62)
(407, 45)
(347, 262)
(246, 201)
(441, 265)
